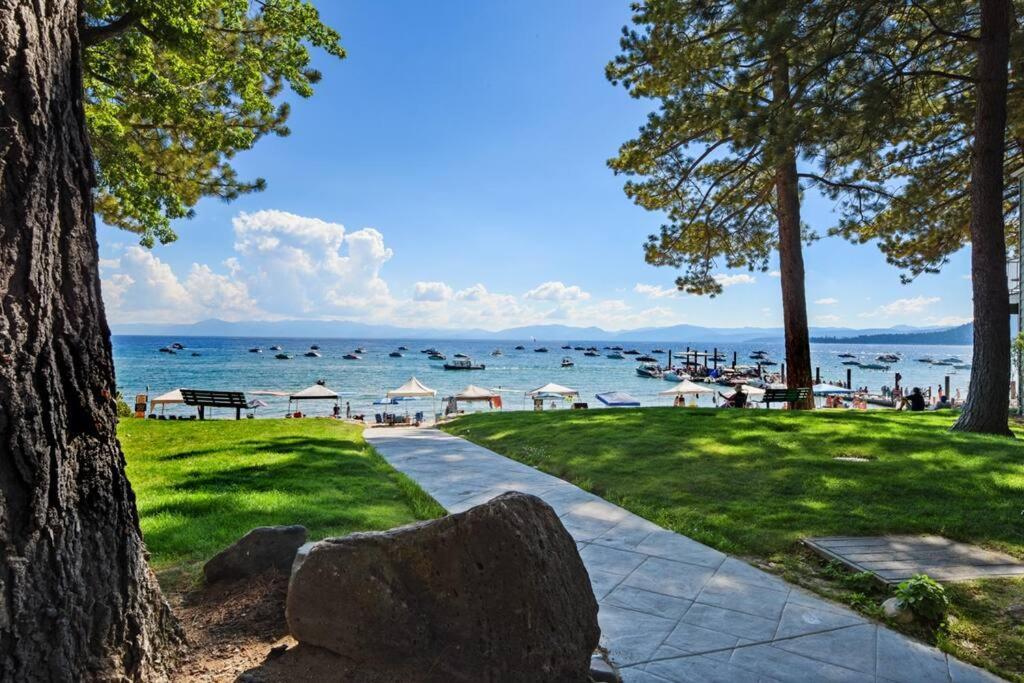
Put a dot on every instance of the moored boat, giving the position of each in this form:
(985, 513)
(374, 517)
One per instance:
(541, 349)
(255, 349)
(437, 355)
(351, 356)
(283, 356)
(520, 348)
(395, 354)
(312, 354)
(647, 359)
(496, 352)
(592, 354)
(463, 364)
(615, 355)
(276, 347)
(567, 362)
(649, 370)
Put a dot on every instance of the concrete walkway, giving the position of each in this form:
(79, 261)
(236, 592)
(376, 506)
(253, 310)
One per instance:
(672, 609)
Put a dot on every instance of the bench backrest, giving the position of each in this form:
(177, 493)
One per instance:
(214, 399)
(787, 395)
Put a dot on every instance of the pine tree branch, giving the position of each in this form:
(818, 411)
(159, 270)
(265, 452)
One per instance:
(94, 35)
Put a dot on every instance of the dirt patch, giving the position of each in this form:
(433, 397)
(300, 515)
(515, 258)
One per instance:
(231, 627)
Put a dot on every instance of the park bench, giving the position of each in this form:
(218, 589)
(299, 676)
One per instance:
(785, 395)
(203, 398)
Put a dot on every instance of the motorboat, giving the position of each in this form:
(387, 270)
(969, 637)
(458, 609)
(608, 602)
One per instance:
(196, 353)
(541, 349)
(888, 358)
(352, 356)
(567, 348)
(177, 345)
(632, 352)
(926, 359)
(647, 359)
(312, 354)
(615, 355)
(616, 348)
(403, 348)
(276, 347)
(851, 362)
(437, 355)
(283, 356)
(166, 349)
(767, 362)
(429, 350)
(496, 352)
(460, 355)
(567, 362)
(255, 349)
(962, 366)
(675, 375)
(520, 348)
(874, 366)
(314, 347)
(359, 350)
(758, 355)
(592, 354)
(395, 354)
(847, 355)
(463, 364)
(658, 351)
(649, 370)
(578, 348)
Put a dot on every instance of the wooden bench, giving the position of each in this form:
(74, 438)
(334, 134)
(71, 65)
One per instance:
(785, 395)
(203, 398)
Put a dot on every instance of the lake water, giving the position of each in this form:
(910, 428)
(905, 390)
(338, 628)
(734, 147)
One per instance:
(225, 363)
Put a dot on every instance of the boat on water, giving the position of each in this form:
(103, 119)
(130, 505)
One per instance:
(437, 355)
(312, 354)
(888, 358)
(541, 349)
(847, 355)
(351, 356)
(496, 352)
(177, 345)
(615, 355)
(276, 347)
(403, 348)
(395, 354)
(520, 348)
(463, 364)
(255, 349)
(429, 350)
(567, 348)
(578, 348)
(567, 362)
(874, 366)
(166, 349)
(314, 347)
(592, 354)
(616, 348)
(926, 359)
(851, 362)
(283, 356)
(632, 352)
(720, 358)
(359, 350)
(953, 359)
(649, 370)
(647, 359)
(962, 366)
(942, 362)
(460, 355)
(196, 353)
(658, 351)
(675, 375)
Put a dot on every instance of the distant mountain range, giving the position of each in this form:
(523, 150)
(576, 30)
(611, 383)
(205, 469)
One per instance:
(963, 334)
(280, 329)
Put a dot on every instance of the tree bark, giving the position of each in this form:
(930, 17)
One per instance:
(77, 600)
(791, 258)
(988, 400)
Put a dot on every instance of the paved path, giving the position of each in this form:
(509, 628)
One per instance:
(672, 609)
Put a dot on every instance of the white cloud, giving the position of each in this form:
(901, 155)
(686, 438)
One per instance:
(913, 306)
(727, 280)
(774, 273)
(431, 291)
(827, 301)
(556, 291)
(656, 291)
(950, 320)
(827, 319)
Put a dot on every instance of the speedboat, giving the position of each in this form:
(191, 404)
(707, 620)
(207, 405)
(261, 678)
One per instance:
(675, 375)
(591, 353)
(647, 359)
(359, 350)
(616, 348)
(314, 347)
(196, 353)
(926, 359)
(567, 348)
(758, 355)
(649, 370)
(403, 348)
(658, 351)
(463, 364)
(888, 358)
(496, 352)
(567, 362)
(395, 354)
(874, 366)
(255, 349)
(276, 347)
(177, 345)
(437, 355)
(632, 352)
(283, 356)
(616, 355)
(311, 354)
(541, 349)
(847, 355)
(962, 366)
(851, 362)
(351, 356)
(460, 355)
(166, 349)
(520, 348)
(766, 361)
(578, 348)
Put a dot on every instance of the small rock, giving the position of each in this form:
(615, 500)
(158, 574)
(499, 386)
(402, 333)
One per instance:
(262, 549)
(495, 593)
(894, 609)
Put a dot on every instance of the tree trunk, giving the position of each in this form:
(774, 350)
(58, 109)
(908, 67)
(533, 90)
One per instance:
(791, 258)
(988, 399)
(77, 600)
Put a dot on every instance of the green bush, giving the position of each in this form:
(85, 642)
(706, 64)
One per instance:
(123, 409)
(925, 597)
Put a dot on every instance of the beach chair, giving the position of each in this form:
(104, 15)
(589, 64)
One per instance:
(377, 419)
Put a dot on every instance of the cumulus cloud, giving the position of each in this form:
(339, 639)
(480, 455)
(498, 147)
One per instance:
(656, 291)
(912, 306)
(557, 291)
(431, 291)
(727, 280)
(774, 273)
(827, 301)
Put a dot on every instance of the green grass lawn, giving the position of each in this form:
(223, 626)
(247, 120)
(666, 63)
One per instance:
(201, 485)
(754, 483)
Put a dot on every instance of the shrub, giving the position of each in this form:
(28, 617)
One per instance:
(123, 409)
(924, 597)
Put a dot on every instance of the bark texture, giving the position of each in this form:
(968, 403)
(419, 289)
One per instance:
(791, 257)
(988, 399)
(77, 600)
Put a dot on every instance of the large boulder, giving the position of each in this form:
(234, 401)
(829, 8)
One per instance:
(495, 593)
(262, 549)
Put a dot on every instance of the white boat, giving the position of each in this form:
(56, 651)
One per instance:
(567, 362)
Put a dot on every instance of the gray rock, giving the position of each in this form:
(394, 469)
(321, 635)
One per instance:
(262, 549)
(495, 593)
(894, 609)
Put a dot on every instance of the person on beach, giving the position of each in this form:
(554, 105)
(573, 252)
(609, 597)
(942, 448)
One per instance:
(738, 399)
(348, 410)
(914, 401)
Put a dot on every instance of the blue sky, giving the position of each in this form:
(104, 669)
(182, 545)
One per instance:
(451, 172)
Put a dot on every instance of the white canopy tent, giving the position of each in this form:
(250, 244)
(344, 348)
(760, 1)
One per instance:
(414, 389)
(474, 393)
(164, 400)
(317, 392)
(552, 389)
